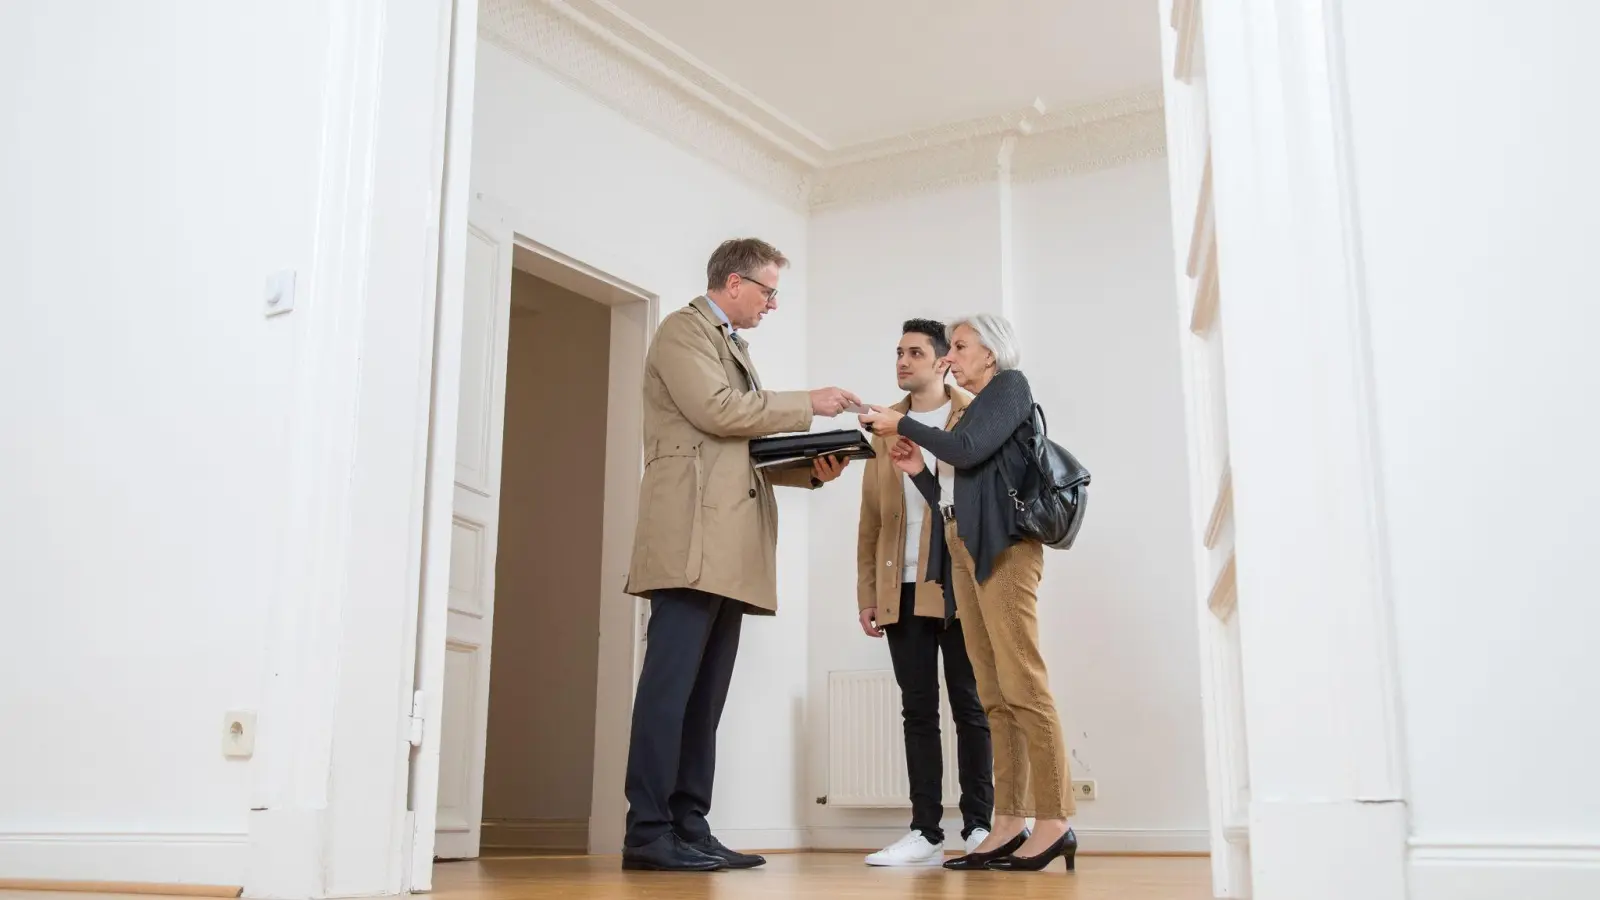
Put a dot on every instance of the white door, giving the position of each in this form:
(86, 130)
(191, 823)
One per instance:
(1201, 302)
(474, 530)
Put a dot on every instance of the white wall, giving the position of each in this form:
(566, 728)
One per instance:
(581, 179)
(540, 760)
(1092, 282)
(1094, 288)
(157, 162)
(1478, 238)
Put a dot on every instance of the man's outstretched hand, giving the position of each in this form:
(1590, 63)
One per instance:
(831, 401)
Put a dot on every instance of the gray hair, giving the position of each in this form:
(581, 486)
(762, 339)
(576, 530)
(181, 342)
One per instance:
(743, 257)
(994, 333)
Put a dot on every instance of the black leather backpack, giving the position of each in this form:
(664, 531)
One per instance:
(1054, 490)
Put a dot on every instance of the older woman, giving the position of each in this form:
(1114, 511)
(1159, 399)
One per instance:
(996, 576)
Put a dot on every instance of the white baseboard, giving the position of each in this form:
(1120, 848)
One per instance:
(1496, 871)
(763, 838)
(862, 838)
(1328, 850)
(1090, 840)
(285, 855)
(537, 835)
(1154, 841)
(198, 859)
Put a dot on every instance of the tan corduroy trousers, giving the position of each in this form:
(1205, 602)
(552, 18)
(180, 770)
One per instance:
(1001, 625)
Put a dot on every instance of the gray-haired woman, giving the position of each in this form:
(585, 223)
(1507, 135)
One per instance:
(996, 577)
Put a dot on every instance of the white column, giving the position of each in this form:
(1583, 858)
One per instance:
(1004, 219)
(1327, 815)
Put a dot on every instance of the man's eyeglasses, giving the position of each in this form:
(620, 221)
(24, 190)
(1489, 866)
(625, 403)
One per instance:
(771, 293)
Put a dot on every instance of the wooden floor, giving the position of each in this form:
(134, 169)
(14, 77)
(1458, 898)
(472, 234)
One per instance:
(833, 876)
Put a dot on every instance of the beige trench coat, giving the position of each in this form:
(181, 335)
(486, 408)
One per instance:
(881, 537)
(707, 518)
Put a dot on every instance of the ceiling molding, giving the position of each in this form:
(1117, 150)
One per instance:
(676, 64)
(1068, 142)
(1136, 131)
(600, 50)
(927, 167)
(556, 37)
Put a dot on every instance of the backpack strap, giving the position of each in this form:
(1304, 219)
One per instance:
(1028, 456)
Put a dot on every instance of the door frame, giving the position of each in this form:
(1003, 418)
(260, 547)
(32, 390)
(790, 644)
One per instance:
(634, 313)
(1201, 295)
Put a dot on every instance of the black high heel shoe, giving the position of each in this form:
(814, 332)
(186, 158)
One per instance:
(973, 861)
(1066, 846)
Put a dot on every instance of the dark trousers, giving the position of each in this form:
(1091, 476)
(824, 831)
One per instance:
(914, 646)
(692, 642)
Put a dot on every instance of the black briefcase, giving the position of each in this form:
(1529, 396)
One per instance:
(786, 450)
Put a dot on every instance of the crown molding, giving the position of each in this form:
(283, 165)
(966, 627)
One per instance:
(677, 65)
(1040, 145)
(557, 37)
(600, 50)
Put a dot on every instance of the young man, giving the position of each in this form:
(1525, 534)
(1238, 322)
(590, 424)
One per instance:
(901, 600)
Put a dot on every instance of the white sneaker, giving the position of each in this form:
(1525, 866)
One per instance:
(911, 850)
(976, 838)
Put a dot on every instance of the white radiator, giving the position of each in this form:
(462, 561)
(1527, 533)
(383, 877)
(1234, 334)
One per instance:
(867, 747)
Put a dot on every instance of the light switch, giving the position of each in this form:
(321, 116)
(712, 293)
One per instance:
(280, 293)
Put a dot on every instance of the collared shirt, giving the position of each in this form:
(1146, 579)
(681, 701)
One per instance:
(720, 314)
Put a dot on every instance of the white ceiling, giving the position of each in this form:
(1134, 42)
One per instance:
(850, 71)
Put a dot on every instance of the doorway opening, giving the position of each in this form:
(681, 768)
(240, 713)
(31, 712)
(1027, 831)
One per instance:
(538, 775)
(532, 646)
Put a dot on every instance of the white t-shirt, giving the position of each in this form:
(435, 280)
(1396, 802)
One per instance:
(916, 505)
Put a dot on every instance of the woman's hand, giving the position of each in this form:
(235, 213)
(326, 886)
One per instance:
(907, 457)
(882, 421)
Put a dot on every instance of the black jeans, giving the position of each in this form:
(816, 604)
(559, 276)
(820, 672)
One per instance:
(914, 646)
(672, 752)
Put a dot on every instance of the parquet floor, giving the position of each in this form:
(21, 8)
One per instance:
(835, 876)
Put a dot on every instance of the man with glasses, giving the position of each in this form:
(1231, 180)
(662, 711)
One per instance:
(705, 548)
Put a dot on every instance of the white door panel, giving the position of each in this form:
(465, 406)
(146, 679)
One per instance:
(474, 532)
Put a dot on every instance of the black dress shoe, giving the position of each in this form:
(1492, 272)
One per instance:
(669, 853)
(979, 860)
(1065, 846)
(712, 847)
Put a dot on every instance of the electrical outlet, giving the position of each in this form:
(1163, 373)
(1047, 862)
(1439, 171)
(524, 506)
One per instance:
(1085, 790)
(239, 734)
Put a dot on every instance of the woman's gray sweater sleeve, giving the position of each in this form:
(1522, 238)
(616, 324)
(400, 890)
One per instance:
(988, 423)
